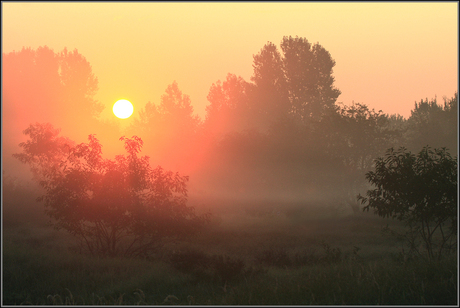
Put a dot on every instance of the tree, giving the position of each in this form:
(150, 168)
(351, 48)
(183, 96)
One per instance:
(419, 190)
(433, 124)
(352, 136)
(270, 93)
(177, 111)
(169, 125)
(309, 80)
(298, 82)
(40, 85)
(78, 82)
(47, 86)
(113, 207)
(44, 150)
(289, 91)
(229, 109)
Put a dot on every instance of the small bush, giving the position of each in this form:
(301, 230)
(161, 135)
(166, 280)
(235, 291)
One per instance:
(190, 260)
(216, 268)
(227, 268)
(305, 258)
(274, 257)
(333, 255)
(281, 258)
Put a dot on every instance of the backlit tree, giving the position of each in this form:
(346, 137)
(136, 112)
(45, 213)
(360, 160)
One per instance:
(113, 207)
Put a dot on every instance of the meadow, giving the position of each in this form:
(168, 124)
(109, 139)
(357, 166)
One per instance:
(252, 253)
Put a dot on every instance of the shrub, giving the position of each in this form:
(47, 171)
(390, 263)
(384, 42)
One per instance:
(421, 191)
(113, 207)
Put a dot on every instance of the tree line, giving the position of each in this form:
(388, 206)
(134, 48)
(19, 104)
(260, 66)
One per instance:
(282, 131)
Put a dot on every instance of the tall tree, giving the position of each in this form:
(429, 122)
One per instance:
(229, 108)
(167, 126)
(177, 111)
(78, 82)
(308, 73)
(289, 91)
(46, 86)
(295, 84)
(41, 85)
(270, 94)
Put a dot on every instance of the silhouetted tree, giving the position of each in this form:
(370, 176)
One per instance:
(434, 125)
(113, 207)
(147, 121)
(229, 109)
(298, 82)
(177, 112)
(169, 125)
(41, 85)
(270, 93)
(348, 139)
(419, 190)
(44, 150)
(289, 91)
(309, 80)
(78, 82)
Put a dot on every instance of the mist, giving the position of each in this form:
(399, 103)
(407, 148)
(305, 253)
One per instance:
(275, 153)
(264, 139)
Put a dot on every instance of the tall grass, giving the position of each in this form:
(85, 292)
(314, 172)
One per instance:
(259, 261)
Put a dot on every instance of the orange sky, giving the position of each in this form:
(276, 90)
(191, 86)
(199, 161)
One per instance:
(388, 55)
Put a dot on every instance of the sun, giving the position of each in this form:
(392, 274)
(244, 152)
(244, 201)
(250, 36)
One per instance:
(123, 109)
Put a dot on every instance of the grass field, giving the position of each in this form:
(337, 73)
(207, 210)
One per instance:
(283, 255)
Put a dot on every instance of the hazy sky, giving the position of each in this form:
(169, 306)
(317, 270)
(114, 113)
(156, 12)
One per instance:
(388, 55)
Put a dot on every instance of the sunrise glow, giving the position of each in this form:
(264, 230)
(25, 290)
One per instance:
(123, 109)
(258, 149)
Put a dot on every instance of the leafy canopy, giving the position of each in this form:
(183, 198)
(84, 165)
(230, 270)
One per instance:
(114, 207)
(420, 190)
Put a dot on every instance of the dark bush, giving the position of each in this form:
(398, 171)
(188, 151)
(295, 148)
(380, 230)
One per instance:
(190, 260)
(333, 255)
(305, 258)
(274, 257)
(227, 268)
(202, 266)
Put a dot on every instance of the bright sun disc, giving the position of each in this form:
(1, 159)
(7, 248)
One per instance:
(123, 109)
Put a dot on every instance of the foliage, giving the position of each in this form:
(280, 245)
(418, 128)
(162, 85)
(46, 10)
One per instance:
(44, 150)
(230, 107)
(296, 84)
(167, 125)
(31, 273)
(78, 82)
(281, 258)
(176, 108)
(419, 190)
(217, 267)
(433, 124)
(46, 83)
(308, 74)
(352, 136)
(114, 207)
(270, 93)
(44, 277)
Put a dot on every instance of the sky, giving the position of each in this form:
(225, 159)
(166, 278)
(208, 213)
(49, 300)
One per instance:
(388, 55)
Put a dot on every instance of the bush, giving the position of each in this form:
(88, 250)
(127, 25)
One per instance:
(113, 207)
(421, 191)
(274, 257)
(220, 268)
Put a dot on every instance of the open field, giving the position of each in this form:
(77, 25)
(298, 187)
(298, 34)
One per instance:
(284, 256)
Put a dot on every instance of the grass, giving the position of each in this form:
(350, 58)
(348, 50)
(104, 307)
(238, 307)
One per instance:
(240, 259)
